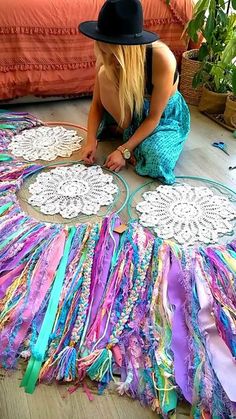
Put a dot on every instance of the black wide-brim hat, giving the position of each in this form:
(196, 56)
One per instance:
(119, 22)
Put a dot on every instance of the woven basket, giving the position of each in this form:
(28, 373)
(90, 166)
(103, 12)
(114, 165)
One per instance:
(188, 69)
(212, 102)
(230, 112)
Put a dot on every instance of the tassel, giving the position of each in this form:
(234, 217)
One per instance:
(96, 365)
(101, 365)
(66, 367)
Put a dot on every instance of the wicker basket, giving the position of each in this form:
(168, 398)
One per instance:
(212, 102)
(230, 112)
(188, 69)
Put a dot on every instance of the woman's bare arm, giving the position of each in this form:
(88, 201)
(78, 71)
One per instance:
(95, 115)
(94, 119)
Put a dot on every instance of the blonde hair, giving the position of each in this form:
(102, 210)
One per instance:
(125, 66)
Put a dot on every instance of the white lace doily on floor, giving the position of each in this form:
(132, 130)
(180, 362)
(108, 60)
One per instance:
(74, 190)
(187, 214)
(45, 143)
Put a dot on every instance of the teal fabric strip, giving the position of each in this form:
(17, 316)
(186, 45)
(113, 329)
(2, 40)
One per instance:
(5, 207)
(5, 157)
(7, 126)
(33, 369)
(13, 235)
(167, 402)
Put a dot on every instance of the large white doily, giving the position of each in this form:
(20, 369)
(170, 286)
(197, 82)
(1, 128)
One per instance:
(45, 143)
(74, 190)
(187, 214)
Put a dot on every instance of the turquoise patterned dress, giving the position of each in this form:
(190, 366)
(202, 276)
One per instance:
(157, 155)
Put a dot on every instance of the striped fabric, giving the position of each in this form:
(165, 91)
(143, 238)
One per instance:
(43, 54)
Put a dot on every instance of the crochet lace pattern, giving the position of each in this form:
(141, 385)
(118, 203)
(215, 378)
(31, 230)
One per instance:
(45, 143)
(69, 191)
(186, 213)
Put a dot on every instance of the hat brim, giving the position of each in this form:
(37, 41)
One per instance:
(89, 29)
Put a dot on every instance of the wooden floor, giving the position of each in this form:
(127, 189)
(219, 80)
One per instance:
(199, 158)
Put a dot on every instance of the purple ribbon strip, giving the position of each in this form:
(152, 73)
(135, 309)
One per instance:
(179, 342)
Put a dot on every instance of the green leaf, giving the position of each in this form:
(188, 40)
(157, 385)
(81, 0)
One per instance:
(210, 25)
(203, 52)
(223, 17)
(222, 3)
(218, 47)
(229, 53)
(218, 75)
(192, 30)
(200, 6)
(234, 4)
(208, 67)
(197, 79)
(196, 25)
(199, 19)
(167, 2)
(234, 81)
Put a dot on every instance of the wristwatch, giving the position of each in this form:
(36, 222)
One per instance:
(125, 152)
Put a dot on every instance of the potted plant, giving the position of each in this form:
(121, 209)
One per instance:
(230, 107)
(216, 70)
(190, 65)
(212, 21)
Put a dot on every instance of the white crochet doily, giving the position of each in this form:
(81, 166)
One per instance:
(45, 143)
(187, 214)
(74, 190)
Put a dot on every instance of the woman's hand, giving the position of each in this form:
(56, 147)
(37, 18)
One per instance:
(89, 153)
(115, 161)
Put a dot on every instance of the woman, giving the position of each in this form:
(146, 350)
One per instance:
(136, 91)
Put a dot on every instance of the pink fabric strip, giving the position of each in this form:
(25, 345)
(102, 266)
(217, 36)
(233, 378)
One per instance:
(219, 354)
(7, 279)
(40, 282)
